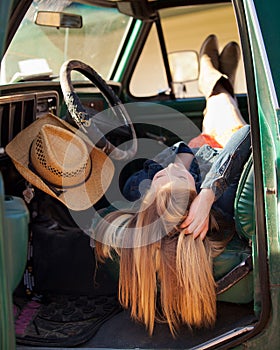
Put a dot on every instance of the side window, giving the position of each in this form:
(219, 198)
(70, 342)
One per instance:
(150, 64)
(185, 29)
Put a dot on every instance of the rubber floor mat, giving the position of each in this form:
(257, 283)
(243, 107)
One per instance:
(63, 320)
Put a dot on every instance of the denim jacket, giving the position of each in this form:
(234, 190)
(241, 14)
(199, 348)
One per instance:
(224, 166)
(212, 168)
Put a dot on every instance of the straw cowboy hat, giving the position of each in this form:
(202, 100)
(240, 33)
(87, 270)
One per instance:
(60, 160)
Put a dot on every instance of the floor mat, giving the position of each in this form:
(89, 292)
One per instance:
(63, 320)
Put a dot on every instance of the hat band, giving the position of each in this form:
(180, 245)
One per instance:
(57, 189)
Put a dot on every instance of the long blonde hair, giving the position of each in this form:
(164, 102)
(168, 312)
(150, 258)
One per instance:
(165, 274)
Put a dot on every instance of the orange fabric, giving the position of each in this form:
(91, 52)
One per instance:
(203, 139)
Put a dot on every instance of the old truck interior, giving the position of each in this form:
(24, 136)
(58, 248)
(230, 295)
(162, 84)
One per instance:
(77, 58)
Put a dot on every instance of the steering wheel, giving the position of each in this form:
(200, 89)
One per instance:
(85, 120)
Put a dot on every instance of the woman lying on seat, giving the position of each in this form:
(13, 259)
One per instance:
(167, 244)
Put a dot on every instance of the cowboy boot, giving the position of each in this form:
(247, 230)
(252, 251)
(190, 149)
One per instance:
(209, 73)
(229, 59)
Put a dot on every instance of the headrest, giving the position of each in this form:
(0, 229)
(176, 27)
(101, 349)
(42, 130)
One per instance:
(244, 202)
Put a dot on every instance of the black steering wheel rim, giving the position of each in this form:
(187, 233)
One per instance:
(84, 120)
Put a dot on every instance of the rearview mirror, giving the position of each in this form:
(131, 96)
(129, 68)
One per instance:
(58, 19)
(184, 66)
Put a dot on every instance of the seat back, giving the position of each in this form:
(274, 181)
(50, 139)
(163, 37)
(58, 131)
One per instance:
(238, 250)
(244, 203)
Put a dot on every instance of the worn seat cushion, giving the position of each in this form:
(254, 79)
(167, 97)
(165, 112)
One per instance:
(244, 203)
(239, 248)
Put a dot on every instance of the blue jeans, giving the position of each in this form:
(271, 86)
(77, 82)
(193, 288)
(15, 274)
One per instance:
(211, 168)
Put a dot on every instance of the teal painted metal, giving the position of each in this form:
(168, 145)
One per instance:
(268, 17)
(262, 23)
(7, 337)
(128, 50)
(269, 133)
(5, 10)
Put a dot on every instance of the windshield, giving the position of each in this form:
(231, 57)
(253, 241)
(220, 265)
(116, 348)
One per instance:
(37, 52)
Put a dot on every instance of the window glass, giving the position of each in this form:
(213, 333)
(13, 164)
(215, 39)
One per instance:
(40, 50)
(149, 77)
(185, 28)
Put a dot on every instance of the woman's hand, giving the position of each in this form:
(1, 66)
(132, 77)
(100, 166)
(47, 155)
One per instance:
(197, 221)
